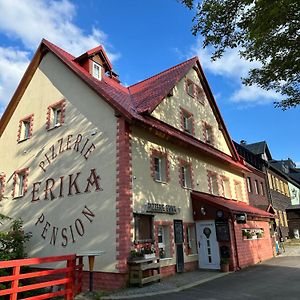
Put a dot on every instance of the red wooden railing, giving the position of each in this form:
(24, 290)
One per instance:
(69, 278)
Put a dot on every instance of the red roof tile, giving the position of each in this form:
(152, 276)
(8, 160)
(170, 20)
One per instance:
(148, 93)
(229, 205)
(139, 98)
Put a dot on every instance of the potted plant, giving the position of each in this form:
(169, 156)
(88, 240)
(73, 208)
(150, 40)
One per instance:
(224, 264)
(148, 251)
(162, 253)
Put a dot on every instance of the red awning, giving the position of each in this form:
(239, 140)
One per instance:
(231, 206)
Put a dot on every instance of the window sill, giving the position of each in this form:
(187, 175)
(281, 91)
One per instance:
(192, 255)
(18, 197)
(166, 258)
(187, 188)
(54, 127)
(23, 140)
(160, 181)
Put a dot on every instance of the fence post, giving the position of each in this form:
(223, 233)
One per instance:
(79, 275)
(15, 283)
(70, 287)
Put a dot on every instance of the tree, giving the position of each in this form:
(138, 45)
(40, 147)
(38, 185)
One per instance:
(267, 31)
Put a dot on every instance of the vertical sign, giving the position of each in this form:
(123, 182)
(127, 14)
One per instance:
(178, 237)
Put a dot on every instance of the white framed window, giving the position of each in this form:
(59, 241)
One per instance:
(25, 128)
(163, 239)
(262, 188)
(19, 184)
(160, 168)
(56, 115)
(97, 70)
(249, 185)
(187, 122)
(213, 183)
(226, 187)
(191, 239)
(208, 133)
(186, 175)
(238, 190)
(256, 188)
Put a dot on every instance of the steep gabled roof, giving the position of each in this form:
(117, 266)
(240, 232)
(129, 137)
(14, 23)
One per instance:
(148, 93)
(133, 102)
(259, 148)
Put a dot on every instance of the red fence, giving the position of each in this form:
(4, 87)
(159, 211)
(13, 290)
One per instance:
(68, 278)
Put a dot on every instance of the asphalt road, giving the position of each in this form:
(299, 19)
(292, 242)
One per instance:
(277, 279)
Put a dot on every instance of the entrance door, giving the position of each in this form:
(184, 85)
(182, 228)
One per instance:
(209, 256)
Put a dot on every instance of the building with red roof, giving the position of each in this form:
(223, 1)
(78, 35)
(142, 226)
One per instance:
(92, 165)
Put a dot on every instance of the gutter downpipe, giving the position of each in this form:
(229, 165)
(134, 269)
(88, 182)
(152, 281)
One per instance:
(235, 243)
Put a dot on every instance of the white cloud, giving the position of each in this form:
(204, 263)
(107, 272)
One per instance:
(233, 67)
(14, 62)
(254, 94)
(31, 20)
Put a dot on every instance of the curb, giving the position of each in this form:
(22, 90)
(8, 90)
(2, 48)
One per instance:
(184, 287)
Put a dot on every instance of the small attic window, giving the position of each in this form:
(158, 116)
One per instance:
(96, 70)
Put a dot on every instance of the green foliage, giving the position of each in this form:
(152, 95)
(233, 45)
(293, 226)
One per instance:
(265, 31)
(12, 241)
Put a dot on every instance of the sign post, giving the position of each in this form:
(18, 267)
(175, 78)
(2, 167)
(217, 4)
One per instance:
(91, 257)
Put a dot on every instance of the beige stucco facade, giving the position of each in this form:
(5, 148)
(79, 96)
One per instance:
(169, 109)
(59, 225)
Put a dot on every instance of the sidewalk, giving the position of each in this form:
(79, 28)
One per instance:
(175, 283)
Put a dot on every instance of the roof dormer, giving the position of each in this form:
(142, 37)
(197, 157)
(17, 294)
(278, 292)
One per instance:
(96, 62)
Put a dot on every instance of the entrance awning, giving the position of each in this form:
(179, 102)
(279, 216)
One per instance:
(229, 206)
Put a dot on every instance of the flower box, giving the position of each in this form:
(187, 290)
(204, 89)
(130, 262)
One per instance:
(148, 256)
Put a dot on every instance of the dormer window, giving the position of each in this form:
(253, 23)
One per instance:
(56, 115)
(96, 70)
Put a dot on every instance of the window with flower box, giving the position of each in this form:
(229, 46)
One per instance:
(252, 233)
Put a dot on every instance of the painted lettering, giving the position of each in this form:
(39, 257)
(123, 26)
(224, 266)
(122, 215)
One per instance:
(35, 189)
(88, 214)
(69, 142)
(53, 154)
(49, 185)
(46, 227)
(40, 219)
(54, 235)
(73, 183)
(89, 151)
(41, 165)
(64, 243)
(77, 142)
(79, 227)
(60, 142)
(93, 180)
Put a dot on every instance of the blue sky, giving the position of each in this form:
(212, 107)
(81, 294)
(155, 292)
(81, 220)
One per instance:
(143, 38)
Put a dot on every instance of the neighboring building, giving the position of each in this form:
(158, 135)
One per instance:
(98, 166)
(257, 188)
(279, 195)
(288, 167)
